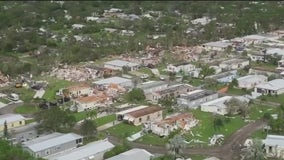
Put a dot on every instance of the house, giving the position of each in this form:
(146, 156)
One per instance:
(12, 120)
(91, 102)
(119, 64)
(79, 90)
(280, 67)
(217, 69)
(124, 82)
(219, 106)
(183, 121)
(171, 91)
(253, 39)
(250, 81)
(216, 46)
(234, 63)
(224, 77)
(216, 106)
(141, 114)
(274, 146)
(274, 87)
(52, 143)
(255, 57)
(275, 51)
(183, 67)
(152, 86)
(195, 98)
(135, 153)
(94, 150)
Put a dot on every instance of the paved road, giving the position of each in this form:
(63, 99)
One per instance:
(228, 151)
(10, 108)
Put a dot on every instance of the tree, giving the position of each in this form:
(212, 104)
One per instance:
(92, 114)
(234, 83)
(206, 71)
(235, 105)
(88, 128)
(125, 69)
(135, 95)
(175, 146)
(217, 123)
(14, 152)
(255, 151)
(6, 134)
(55, 119)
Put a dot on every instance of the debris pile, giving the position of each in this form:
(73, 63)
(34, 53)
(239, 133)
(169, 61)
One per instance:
(4, 80)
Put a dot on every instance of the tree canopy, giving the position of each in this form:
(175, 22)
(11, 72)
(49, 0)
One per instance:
(55, 119)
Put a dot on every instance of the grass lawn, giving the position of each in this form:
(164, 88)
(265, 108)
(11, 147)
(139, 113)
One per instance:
(260, 134)
(145, 70)
(25, 95)
(80, 116)
(153, 139)
(275, 98)
(4, 100)
(123, 130)
(30, 121)
(236, 91)
(196, 82)
(27, 109)
(264, 65)
(197, 157)
(257, 111)
(204, 130)
(54, 85)
(104, 120)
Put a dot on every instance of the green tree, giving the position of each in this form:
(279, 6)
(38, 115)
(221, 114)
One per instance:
(234, 83)
(14, 152)
(135, 95)
(206, 71)
(217, 123)
(55, 119)
(6, 134)
(175, 146)
(92, 114)
(88, 128)
(255, 151)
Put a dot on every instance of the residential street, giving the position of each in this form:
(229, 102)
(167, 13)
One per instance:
(229, 151)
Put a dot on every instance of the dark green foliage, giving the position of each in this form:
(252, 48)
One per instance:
(55, 120)
(8, 152)
(6, 134)
(116, 150)
(88, 128)
(135, 95)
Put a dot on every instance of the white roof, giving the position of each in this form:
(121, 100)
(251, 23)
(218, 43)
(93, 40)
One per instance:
(218, 44)
(121, 63)
(273, 140)
(275, 84)
(130, 110)
(277, 51)
(133, 154)
(88, 150)
(255, 37)
(217, 102)
(50, 140)
(10, 118)
(116, 80)
(251, 78)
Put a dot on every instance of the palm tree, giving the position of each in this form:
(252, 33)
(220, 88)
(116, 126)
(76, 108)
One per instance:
(175, 145)
(255, 151)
